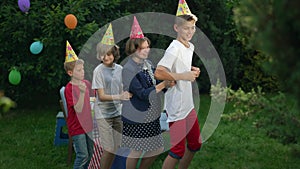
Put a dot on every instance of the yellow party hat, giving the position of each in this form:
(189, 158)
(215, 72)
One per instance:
(183, 8)
(70, 54)
(108, 38)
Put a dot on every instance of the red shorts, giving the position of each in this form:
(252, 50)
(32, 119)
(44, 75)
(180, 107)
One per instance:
(187, 129)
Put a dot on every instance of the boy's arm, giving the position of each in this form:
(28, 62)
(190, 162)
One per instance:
(104, 97)
(79, 105)
(162, 73)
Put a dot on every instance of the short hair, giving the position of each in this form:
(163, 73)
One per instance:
(181, 19)
(103, 49)
(69, 66)
(133, 44)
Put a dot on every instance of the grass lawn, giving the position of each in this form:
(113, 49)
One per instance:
(27, 142)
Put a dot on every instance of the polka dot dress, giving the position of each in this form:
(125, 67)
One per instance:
(142, 136)
(145, 136)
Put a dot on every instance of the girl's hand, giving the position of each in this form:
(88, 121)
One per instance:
(169, 83)
(126, 95)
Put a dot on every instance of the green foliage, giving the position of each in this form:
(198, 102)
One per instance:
(253, 73)
(277, 114)
(5, 104)
(280, 119)
(45, 22)
(272, 27)
(216, 21)
(44, 73)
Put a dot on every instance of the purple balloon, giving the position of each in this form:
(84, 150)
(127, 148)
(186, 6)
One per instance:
(24, 5)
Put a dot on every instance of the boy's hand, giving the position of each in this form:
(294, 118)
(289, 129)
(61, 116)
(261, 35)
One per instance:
(82, 87)
(191, 75)
(197, 70)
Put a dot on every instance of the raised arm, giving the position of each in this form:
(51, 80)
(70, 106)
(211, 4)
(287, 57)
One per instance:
(79, 105)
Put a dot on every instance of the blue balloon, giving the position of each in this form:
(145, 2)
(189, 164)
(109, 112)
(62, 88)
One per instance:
(36, 47)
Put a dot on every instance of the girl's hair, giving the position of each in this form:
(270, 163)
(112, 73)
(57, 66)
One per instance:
(181, 19)
(133, 44)
(69, 66)
(103, 49)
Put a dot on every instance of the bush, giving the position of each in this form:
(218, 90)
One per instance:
(276, 114)
(44, 72)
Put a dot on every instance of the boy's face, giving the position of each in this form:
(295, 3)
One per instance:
(108, 59)
(78, 72)
(185, 31)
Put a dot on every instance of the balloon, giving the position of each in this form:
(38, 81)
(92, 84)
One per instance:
(24, 5)
(14, 77)
(71, 21)
(36, 47)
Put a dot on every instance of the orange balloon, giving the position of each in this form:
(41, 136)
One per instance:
(71, 21)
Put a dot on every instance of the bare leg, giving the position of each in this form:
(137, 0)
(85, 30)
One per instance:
(186, 159)
(146, 162)
(131, 163)
(133, 159)
(107, 160)
(149, 157)
(170, 162)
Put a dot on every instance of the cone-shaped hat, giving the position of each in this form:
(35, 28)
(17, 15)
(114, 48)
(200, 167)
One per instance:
(183, 8)
(70, 54)
(108, 38)
(136, 31)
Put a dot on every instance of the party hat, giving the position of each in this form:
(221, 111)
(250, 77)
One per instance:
(183, 8)
(108, 38)
(70, 54)
(136, 31)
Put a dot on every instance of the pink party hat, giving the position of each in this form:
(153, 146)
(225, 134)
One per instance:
(108, 38)
(70, 54)
(136, 31)
(183, 8)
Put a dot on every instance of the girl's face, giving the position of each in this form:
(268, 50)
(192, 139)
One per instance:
(108, 59)
(143, 51)
(185, 31)
(78, 72)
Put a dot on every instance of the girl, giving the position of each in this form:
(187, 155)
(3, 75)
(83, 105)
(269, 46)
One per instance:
(140, 115)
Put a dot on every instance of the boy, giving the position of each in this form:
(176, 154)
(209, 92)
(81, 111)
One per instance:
(79, 118)
(182, 117)
(107, 81)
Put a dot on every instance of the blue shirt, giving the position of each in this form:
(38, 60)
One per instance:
(145, 100)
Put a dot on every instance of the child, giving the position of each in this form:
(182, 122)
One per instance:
(79, 120)
(179, 104)
(140, 115)
(108, 83)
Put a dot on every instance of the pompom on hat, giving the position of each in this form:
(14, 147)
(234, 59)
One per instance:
(108, 38)
(70, 54)
(183, 8)
(136, 31)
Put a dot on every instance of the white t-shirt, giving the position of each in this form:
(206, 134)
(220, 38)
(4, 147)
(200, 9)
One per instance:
(179, 98)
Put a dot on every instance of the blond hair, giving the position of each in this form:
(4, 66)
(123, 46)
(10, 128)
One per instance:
(181, 19)
(69, 66)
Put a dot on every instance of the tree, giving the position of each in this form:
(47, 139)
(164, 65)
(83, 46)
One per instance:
(272, 28)
(44, 21)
